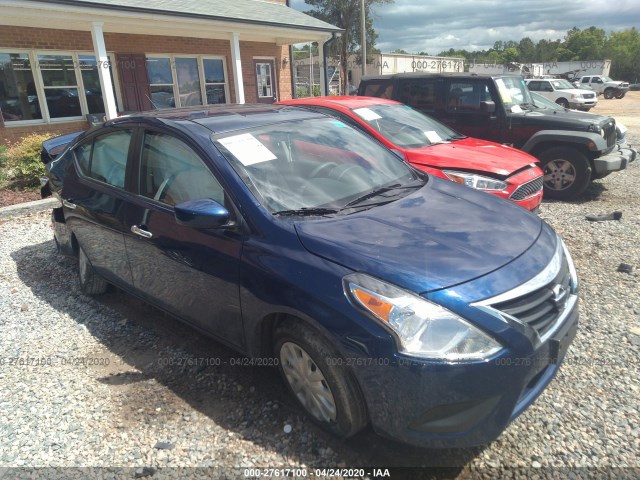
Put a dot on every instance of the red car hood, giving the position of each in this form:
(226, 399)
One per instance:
(471, 154)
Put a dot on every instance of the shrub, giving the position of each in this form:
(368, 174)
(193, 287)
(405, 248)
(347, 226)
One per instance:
(23, 166)
(3, 163)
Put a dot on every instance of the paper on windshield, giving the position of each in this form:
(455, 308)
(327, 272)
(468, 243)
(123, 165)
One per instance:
(516, 109)
(247, 149)
(433, 136)
(504, 91)
(366, 114)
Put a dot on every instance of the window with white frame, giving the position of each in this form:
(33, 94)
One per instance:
(183, 81)
(18, 94)
(38, 87)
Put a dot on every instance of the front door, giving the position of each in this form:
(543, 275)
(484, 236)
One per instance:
(192, 273)
(265, 81)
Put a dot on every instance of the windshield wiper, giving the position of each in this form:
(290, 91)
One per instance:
(379, 191)
(309, 211)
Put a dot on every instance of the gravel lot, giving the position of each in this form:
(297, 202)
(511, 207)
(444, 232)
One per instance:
(111, 382)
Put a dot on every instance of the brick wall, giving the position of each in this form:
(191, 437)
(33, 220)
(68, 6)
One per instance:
(70, 40)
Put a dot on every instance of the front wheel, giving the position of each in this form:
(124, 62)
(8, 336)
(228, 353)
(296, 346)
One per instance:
(563, 102)
(621, 94)
(567, 172)
(321, 383)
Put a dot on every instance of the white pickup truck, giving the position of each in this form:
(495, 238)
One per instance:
(604, 85)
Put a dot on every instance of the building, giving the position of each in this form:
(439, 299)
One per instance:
(378, 64)
(64, 61)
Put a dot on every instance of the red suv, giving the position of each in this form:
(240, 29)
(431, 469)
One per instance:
(437, 149)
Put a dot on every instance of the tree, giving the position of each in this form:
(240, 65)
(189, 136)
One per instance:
(623, 48)
(346, 14)
(527, 50)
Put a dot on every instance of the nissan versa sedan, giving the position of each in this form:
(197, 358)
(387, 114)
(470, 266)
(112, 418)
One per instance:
(435, 148)
(386, 296)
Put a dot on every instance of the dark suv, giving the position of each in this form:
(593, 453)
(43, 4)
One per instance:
(573, 147)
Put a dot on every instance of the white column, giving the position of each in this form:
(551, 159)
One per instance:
(104, 65)
(322, 67)
(236, 63)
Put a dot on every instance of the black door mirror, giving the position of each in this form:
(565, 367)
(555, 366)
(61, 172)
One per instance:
(488, 106)
(203, 213)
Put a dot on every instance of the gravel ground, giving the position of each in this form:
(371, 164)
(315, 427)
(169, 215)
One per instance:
(111, 382)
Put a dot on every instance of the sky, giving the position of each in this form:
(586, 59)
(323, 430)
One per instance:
(433, 26)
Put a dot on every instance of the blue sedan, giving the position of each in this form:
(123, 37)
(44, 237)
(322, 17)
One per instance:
(434, 312)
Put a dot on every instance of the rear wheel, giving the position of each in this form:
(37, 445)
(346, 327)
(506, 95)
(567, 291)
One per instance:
(563, 102)
(608, 93)
(322, 385)
(90, 282)
(567, 172)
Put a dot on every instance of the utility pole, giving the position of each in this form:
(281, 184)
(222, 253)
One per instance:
(364, 38)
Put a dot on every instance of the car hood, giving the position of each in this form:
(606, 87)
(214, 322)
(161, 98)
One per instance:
(442, 235)
(547, 119)
(472, 154)
(575, 91)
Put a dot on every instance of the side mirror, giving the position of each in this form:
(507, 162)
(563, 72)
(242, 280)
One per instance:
(203, 213)
(488, 106)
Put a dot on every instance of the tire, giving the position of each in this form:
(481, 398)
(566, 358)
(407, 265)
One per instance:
(620, 95)
(567, 172)
(336, 404)
(90, 282)
(563, 102)
(608, 93)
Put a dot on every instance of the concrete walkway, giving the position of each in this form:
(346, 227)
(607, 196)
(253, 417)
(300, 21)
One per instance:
(29, 207)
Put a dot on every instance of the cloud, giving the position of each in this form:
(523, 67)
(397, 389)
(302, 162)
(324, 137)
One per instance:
(437, 25)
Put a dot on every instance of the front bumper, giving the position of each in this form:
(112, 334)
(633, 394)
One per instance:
(614, 161)
(461, 405)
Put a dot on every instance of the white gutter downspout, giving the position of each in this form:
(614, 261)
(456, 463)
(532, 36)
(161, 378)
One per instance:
(102, 62)
(236, 63)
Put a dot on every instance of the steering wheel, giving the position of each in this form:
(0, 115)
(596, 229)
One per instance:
(344, 171)
(323, 168)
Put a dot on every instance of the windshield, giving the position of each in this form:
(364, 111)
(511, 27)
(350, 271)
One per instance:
(405, 127)
(562, 84)
(312, 164)
(544, 102)
(514, 93)
(606, 79)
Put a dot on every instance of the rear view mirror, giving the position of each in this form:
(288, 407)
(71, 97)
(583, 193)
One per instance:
(488, 106)
(203, 213)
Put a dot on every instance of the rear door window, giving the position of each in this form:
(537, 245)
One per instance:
(105, 158)
(419, 93)
(378, 88)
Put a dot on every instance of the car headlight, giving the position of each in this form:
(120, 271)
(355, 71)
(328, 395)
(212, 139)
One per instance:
(424, 329)
(473, 180)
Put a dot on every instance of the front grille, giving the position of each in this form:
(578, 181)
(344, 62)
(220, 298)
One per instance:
(542, 307)
(610, 134)
(589, 95)
(527, 189)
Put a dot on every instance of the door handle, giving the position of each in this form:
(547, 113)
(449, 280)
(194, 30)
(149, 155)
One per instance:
(141, 232)
(69, 204)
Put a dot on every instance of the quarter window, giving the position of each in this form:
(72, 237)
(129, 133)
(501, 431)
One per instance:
(172, 173)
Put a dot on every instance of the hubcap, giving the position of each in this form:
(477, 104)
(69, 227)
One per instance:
(307, 382)
(559, 174)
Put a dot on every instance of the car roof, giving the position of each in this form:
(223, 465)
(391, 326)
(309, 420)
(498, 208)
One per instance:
(434, 75)
(349, 102)
(221, 118)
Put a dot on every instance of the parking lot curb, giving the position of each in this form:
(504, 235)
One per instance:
(28, 207)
